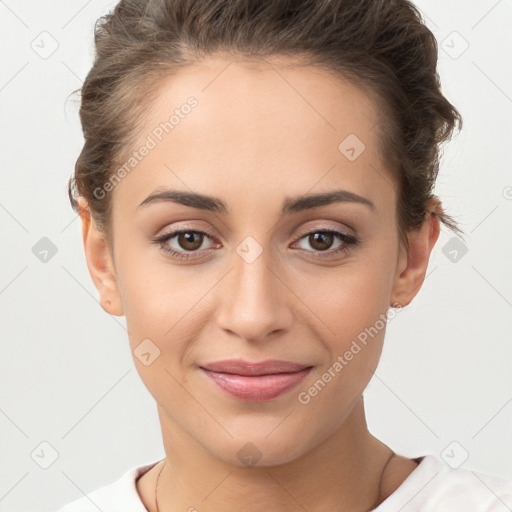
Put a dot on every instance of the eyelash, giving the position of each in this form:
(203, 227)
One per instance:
(349, 242)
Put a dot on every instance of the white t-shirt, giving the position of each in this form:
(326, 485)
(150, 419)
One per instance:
(432, 487)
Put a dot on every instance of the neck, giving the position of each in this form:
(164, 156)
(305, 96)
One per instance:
(343, 473)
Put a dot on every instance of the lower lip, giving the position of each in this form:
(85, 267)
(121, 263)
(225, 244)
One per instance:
(256, 388)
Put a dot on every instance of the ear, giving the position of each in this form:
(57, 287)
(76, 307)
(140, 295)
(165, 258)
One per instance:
(99, 263)
(412, 266)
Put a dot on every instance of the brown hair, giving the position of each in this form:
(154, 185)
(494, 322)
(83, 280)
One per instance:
(382, 46)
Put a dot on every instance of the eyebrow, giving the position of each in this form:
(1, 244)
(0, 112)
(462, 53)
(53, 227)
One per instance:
(290, 205)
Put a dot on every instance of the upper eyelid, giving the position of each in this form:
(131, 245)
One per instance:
(333, 229)
(303, 231)
(173, 233)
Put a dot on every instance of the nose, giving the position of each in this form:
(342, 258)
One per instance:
(255, 299)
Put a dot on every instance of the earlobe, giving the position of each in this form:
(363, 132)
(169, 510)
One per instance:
(99, 263)
(412, 264)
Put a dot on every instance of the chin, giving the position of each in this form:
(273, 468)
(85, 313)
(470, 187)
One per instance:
(258, 449)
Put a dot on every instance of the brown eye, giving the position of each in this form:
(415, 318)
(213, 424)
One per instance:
(321, 241)
(185, 244)
(190, 240)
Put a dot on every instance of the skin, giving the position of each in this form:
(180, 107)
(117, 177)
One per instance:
(271, 130)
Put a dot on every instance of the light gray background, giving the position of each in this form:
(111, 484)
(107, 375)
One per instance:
(66, 373)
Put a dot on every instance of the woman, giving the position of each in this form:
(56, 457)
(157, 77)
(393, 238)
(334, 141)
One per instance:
(256, 193)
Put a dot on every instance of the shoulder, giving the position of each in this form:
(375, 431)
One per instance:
(118, 496)
(435, 486)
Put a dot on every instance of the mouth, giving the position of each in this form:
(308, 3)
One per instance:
(255, 381)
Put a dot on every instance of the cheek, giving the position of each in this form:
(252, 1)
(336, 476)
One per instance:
(153, 299)
(159, 311)
(352, 301)
(165, 304)
(351, 297)
(160, 297)
(353, 304)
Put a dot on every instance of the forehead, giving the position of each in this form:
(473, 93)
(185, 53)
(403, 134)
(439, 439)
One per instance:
(276, 122)
(275, 91)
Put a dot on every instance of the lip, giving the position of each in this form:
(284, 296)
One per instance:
(255, 381)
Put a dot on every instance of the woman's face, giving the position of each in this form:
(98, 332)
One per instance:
(253, 278)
